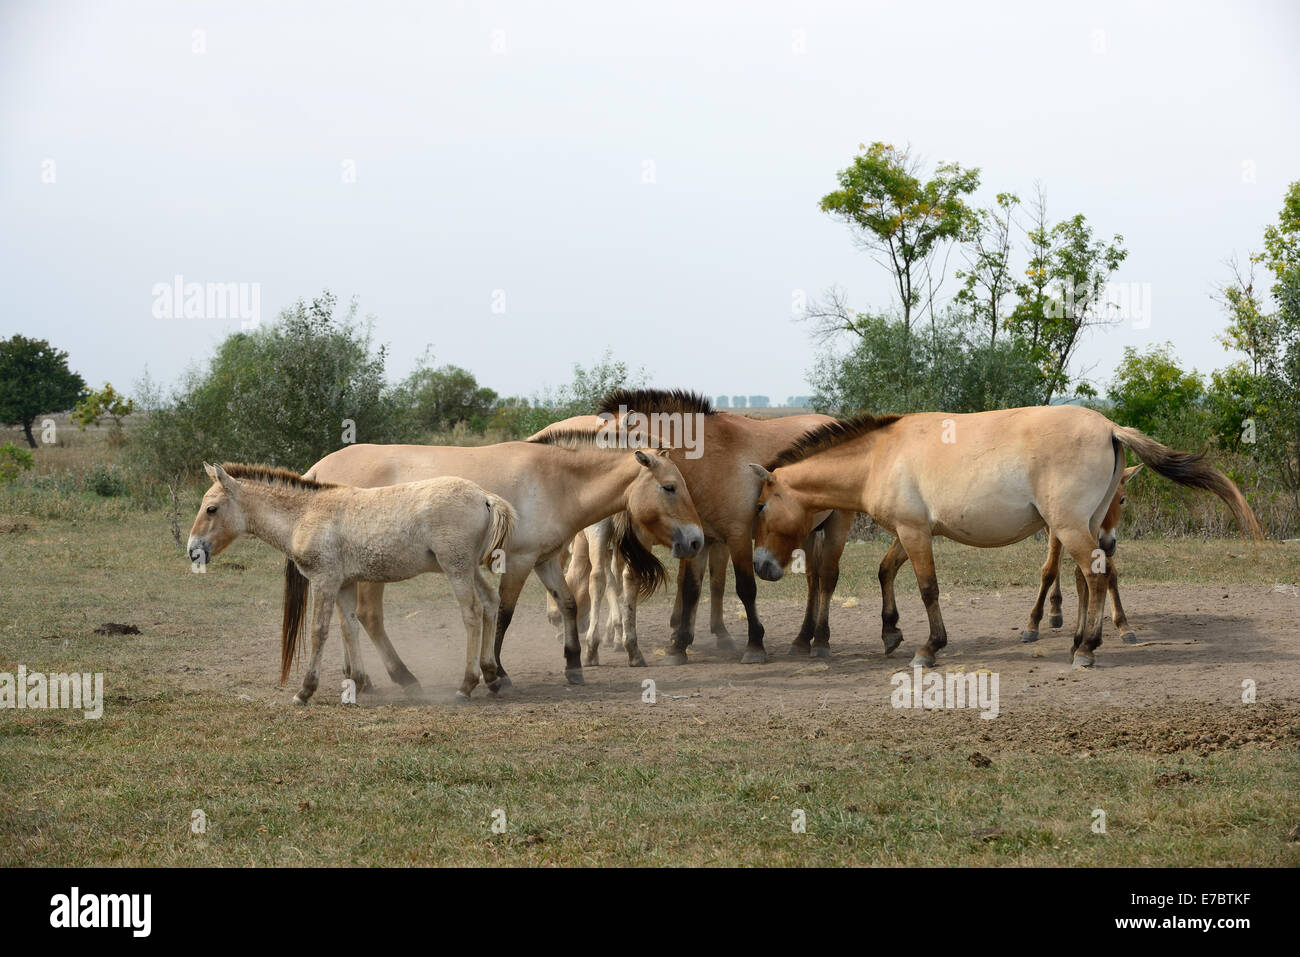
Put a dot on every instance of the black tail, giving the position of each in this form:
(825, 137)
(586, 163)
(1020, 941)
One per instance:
(647, 571)
(295, 611)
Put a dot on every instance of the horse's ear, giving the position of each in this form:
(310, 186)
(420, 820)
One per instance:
(1131, 471)
(229, 484)
(211, 470)
(761, 472)
(643, 459)
(664, 452)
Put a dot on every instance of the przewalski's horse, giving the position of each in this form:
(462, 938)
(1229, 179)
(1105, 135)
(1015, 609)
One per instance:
(1051, 575)
(713, 450)
(557, 487)
(335, 536)
(986, 479)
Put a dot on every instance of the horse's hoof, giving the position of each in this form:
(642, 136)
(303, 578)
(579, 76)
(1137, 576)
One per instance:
(892, 640)
(800, 649)
(724, 644)
(574, 676)
(1027, 636)
(1129, 638)
(821, 651)
(462, 697)
(636, 661)
(921, 660)
(754, 658)
(300, 701)
(1081, 662)
(591, 659)
(1056, 621)
(495, 687)
(674, 657)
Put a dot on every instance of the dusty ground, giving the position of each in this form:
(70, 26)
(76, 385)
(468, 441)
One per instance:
(1197, 647)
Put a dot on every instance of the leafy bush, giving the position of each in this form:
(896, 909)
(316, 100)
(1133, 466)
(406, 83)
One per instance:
(13, 462)
(285, 394)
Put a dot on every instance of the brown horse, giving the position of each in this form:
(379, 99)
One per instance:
(986, 479)
(557, 488)
(1051, 574)
(335, 536)
(713, 450)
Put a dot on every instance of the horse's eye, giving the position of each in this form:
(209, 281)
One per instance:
(212, 509)
(1123, 500)
(670, 489)
(761, 506)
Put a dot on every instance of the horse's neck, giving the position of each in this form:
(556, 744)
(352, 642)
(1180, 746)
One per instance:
(836, 478)
(600, 481)
(272, 513)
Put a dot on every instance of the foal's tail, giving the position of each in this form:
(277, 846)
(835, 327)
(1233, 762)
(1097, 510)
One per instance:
(295, 609)
(1187, 468)
(502, 525)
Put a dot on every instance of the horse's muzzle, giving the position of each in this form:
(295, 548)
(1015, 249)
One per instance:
(687, 541)
(198, 551)
(767, 567)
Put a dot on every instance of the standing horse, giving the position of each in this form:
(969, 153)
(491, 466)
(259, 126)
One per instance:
(336, 536)
(557, 487)
(1051, 575)
(986, 479)
(725, 494)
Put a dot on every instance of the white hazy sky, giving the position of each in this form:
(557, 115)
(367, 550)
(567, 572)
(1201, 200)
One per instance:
(520, 168)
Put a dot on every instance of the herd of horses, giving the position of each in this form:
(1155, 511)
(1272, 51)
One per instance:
(756, 494)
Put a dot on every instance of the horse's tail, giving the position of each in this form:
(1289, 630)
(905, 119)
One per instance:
(647, 571)
(295, 609)
(1187, 468)
(501, 526)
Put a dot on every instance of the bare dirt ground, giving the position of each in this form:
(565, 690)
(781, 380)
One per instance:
(1180, 688)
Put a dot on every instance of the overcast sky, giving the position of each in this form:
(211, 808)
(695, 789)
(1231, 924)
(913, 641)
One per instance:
(501, 150)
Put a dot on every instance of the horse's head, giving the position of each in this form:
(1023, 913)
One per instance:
(783, 521)
(661, 507)
(220, 520)
(1111, 522)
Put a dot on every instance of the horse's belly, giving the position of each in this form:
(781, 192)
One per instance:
(989, 528)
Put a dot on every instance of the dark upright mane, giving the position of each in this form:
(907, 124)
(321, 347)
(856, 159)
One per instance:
(656, 400)
(270, 475)
(580, 438)
(830, 435)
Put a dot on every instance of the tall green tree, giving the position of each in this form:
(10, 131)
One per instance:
(1062, 296)
(988, 277)
(902, 222)
(35, 379)
(442, 398)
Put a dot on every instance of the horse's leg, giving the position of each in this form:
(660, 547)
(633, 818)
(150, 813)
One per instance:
(718, 558)
(346, 601)
(894, 559)
(802, 644)
(918, 544)
(512, 583)
(548, 570)
(1056, 619)
(627, 611)
(1081, 587)
(596, 538)
(835, 533)
(322, 609)
(675, 618)
(464, 587)
(370, 612)
(1049, 579)
(742, 560)
(1127, 634)
(691, 573)
(490, 602)
(1082, 547)
(613, 600)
